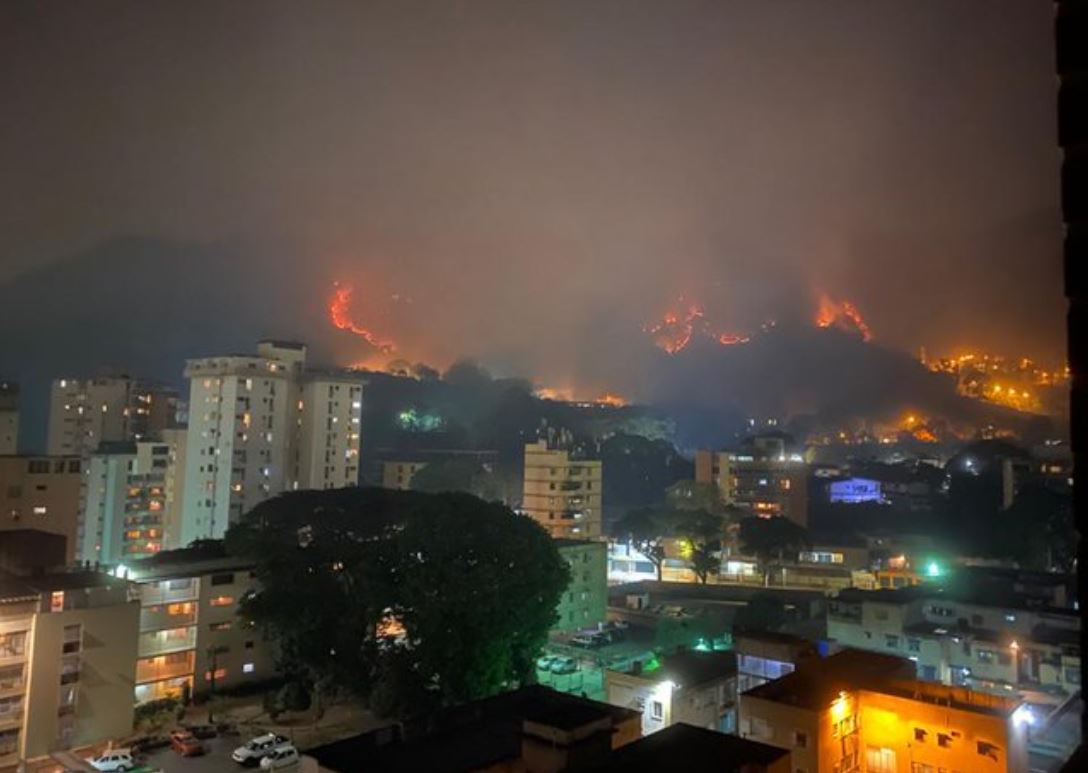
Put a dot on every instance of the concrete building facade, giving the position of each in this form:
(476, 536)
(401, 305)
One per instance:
(695, 688)
(86, 412)
(190, 633)
(329, 430)
(858, 711)
(584, 604)
(562, 494)
(260, 425)
(125, 502)
(9, 418)
(767, 484)
(67, 654)
(43, 493)
(1012, 648)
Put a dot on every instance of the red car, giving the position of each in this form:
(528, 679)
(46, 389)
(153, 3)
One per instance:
(186, 744)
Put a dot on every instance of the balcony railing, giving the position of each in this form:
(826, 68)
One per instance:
(158, 618)
(166, 641)
(162, 594)
(164, 667)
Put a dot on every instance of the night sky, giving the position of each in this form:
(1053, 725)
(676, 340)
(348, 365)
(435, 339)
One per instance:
(534, 180)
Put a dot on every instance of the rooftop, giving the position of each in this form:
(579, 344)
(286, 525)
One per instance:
(951, 593)
(816, 684)
(697, 747)
(469, 737)
(692, 668)
(199, 558)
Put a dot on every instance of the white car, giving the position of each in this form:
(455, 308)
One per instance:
(284, 757)
(256, 749)
(114, 761)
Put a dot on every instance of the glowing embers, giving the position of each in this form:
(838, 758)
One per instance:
(678, 326)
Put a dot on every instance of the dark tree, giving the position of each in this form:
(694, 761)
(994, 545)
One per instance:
(639, 470)
(411, 600)
(462, 474)
(770, 539)
(646, 529)
(703, 532)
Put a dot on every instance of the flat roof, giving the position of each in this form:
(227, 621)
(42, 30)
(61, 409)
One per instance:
(209, 556)
(979, 597)
(469, 737)
(683, 745)
(816, 684)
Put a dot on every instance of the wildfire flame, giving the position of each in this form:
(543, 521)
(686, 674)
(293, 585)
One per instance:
(843, 315)
(673, 332)
(611, 399)
(676, 329)
(340, 316)
(732, 339)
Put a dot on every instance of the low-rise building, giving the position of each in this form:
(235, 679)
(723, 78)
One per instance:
(959, 638)
(42, 493)
(191, 638)
(696, 688)
(67, 657)
(859, 711)
(696, 748)
(585, 601)
(765, 656)
(529, 729)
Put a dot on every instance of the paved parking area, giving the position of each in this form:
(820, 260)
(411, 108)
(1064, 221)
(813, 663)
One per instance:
(217, 760)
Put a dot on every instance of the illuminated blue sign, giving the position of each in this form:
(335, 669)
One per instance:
(854, 490)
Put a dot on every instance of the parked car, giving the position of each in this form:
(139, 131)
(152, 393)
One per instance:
(186, 744)
(587, 642)
(564, 666)
(114, 761)
(284, 757)
(256, 749)
(203, 732)
(545, 662)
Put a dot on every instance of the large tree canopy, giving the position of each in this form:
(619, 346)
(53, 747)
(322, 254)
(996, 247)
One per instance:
(408, 599)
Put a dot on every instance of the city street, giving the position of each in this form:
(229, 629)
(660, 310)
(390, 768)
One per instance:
(217, 760)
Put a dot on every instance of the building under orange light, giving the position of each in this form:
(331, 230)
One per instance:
(864, 711)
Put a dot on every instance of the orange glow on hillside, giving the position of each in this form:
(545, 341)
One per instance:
(673, 332)
(340, 316)
(612, 399)
(843, 315)
(732, 339)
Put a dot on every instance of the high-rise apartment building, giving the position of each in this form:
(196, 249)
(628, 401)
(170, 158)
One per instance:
(260, 425)
(9, 418)
(126, 502)
(67, 659)
(764, 477)
(86, 412)
(562, 494)
(43, 493)
(330, 415)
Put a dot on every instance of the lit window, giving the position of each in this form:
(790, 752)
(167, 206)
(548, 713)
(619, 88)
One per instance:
(247, 668)
(40, 510)
(221, 601)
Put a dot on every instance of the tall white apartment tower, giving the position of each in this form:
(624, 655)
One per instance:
(243, 419)
(330, 414)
